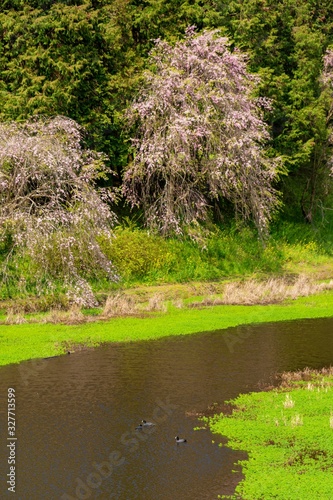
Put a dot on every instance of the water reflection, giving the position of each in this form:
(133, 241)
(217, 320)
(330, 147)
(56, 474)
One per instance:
(77, 414)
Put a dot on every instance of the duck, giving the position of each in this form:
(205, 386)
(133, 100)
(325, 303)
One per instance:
(146, 424)
(139, 427)
(180, 440)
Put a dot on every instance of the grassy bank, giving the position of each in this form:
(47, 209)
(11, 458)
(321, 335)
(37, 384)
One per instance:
(287, 433)
(143, 259)
(35, 340)
(213, 280)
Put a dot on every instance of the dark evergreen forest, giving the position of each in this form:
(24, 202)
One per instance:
(84, 59)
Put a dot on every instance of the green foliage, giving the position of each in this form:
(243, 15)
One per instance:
(288, 437)
(61, 60)
(286, 42)
(164, 19)
(26, 341)
(136, 254)
(303, 235)
(143, 257)
(83, 59)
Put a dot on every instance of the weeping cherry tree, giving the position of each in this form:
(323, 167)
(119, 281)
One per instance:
(200, 137)
(51, 210)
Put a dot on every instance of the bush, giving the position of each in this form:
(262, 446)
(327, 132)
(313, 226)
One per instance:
(136, 254)
(140, 256)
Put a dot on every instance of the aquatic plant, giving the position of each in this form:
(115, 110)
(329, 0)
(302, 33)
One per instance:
(290, 454)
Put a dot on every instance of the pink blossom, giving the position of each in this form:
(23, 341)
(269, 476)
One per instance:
(200, 135)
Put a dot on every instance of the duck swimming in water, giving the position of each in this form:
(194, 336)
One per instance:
(180, 440)
(146, 424)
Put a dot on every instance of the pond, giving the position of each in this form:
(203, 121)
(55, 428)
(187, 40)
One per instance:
(76, 415)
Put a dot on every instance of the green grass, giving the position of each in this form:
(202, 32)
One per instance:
(28, 341)
(219, 253)
(143, 258)
(288, 438)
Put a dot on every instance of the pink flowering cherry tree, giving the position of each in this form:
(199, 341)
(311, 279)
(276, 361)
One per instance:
(50, 204)
(200, 137)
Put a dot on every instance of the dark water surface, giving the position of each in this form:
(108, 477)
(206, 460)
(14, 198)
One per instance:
(76, 414)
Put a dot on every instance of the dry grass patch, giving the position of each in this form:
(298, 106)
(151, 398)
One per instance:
(288, 402)
(156, 303)
(296, 420)
(73, 316)
(317, 379)
(178, 303)
(271, 291)
(14, 318)
(119, 305)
